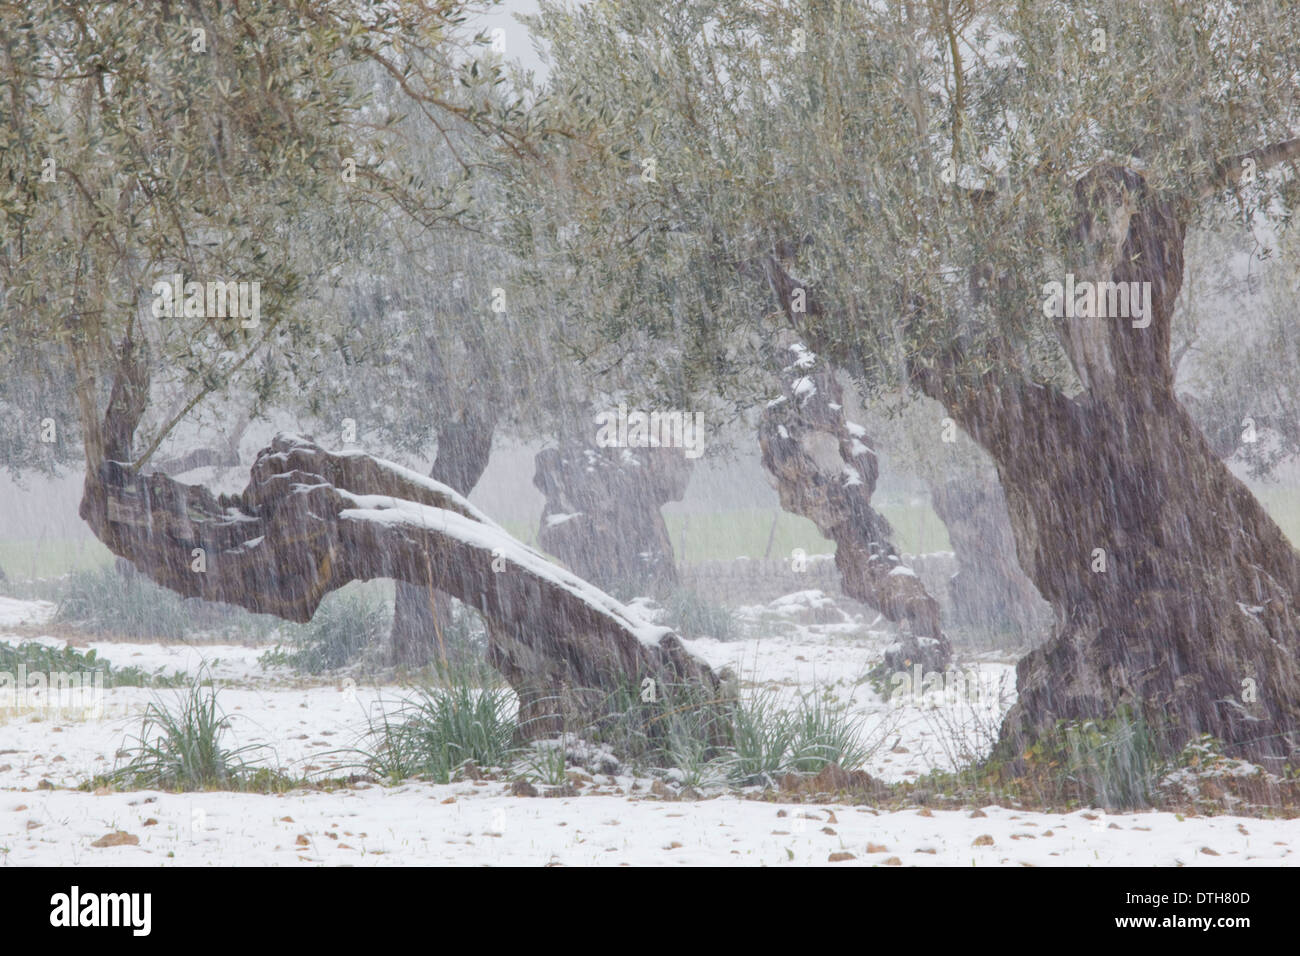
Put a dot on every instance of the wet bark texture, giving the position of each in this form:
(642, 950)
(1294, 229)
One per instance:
(825, 471)
(311, 521)
(602, 516)
(1193, 621)
(990, 591)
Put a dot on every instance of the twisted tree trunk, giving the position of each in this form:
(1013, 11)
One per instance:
(825, 471)
(1175, 592)
(310, 521)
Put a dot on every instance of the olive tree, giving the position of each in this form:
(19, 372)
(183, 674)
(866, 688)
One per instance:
(180, 178)
(936, 196)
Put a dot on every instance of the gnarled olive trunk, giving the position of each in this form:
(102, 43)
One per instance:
(825, 471)
(311, 521)
(1174, 591)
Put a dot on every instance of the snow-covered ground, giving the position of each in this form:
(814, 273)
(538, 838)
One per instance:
(467, 824)
(310, 728)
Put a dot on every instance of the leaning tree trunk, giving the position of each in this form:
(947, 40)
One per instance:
(603, 515)
(421, 615)
(311, 521)
(989, 590)
(1175, 592)
(825, 471)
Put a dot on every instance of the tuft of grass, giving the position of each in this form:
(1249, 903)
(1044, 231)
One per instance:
(1114, 763)
(751, 740)
(1117, 761)
(763, 736)
(696, 761)
(441, 730)
(772, 738)
(676, 722)
(544, 762)
(180, 748)
(825, 734)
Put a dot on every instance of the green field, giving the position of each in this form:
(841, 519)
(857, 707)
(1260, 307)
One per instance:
(696, 537)
(745, 532)
(1283, 504)
(47, 558)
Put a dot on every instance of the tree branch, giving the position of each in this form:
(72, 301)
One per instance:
(1228, 172)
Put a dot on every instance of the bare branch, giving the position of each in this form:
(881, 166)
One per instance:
(1228, 172)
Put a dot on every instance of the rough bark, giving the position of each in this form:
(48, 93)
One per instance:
(990, 591)
(602, 516)
(825, 470)
(311, 521)
(1193, 621)
(421, 616)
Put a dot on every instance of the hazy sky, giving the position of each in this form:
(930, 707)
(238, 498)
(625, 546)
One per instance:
(519, 44)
